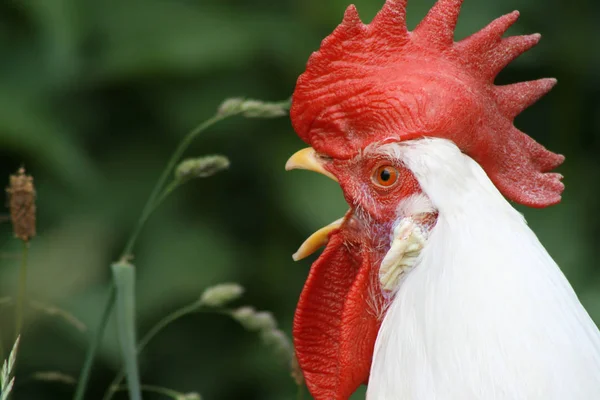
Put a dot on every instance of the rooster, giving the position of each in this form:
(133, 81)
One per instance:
(432, 286)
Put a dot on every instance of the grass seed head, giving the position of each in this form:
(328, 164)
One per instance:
(278, 341)
(190, 396)
(221, 294)
(254, 320)
(21, 202)
(201, 167)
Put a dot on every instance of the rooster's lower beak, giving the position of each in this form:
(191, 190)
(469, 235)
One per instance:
(316, 240)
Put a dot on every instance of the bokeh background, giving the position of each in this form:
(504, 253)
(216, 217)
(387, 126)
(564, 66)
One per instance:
(95, 95)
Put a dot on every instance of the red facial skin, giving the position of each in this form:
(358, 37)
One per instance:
(339, 312)
(361, 190)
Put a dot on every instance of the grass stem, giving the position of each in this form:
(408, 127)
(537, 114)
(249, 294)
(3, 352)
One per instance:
(1, 347)
(156, 196)
(22, 291)
(94, 344)
(157, 389)
(3, 301)
(156, 329)
(165, 175)
(146, 212)
(124, 278)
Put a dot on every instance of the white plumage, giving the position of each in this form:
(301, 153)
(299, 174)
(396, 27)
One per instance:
(486, 314)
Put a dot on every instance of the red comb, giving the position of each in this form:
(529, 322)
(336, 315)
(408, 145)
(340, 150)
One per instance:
(376, 82)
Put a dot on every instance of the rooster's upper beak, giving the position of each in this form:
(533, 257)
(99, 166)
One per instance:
(308, 159)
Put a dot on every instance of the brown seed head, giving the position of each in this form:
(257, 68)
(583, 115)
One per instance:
(21, 202)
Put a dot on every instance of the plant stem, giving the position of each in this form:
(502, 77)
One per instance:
(95, 343)
(1, 349)
(146, 212)
(300, 394)
(124, 279)
(156, 389)
(3, 301)
(164, 322)
(156, 329)
(164, 194)
(154, 196)
(22, 293)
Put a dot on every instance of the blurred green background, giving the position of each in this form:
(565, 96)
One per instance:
(95, 95)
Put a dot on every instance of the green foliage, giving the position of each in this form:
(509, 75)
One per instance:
(7, 380)
(94, 97)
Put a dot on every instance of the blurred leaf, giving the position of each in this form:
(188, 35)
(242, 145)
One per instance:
(143, 37)
(61, 25)
(65, 259)
(28, 128)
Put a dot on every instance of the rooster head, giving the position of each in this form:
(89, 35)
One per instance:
(373, 85)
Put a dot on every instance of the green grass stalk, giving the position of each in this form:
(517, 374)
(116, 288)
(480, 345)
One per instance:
(265, 110)
(156, 329)
(155, 196)
(124, 278)
(147, 210)
(84, 376)
(159, 390)
(1, 346)
(22, 291)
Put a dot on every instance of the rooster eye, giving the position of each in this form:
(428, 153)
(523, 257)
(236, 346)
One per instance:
(385, 176)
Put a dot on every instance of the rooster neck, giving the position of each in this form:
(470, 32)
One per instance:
(486, 313)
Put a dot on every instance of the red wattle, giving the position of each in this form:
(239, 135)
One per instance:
(335, 326)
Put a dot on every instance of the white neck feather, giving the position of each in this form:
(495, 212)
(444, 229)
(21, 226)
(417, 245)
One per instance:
(486, 314)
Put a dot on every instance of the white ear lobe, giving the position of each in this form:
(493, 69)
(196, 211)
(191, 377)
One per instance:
(407, 242)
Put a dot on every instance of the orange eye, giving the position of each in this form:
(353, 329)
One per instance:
(385, 176)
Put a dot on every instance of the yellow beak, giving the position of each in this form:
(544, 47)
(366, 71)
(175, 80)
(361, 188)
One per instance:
(309, 160)
(316, 240)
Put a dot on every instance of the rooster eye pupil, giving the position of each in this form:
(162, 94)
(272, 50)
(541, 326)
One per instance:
(385, 175)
